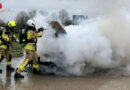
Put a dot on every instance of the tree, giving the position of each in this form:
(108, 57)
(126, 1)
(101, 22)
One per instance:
(21, 20)
(2, 23)
(54, 17)
(32, 13)
(64, 17)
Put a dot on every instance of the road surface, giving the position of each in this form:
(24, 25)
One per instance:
(46, 82)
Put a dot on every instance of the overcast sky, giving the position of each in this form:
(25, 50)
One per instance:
(91, 7)
(44, 4)
(68, 4)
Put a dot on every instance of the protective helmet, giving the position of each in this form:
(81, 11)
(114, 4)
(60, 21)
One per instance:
(11, 23)
(31, 23)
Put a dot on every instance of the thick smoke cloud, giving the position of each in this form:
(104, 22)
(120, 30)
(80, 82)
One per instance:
(79, 46)
(102, 42)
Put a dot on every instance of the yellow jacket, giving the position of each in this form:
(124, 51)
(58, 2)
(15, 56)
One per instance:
(32, 39)
(6, 39)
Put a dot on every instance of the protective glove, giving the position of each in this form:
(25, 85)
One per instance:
(41, 29)
(17, 41)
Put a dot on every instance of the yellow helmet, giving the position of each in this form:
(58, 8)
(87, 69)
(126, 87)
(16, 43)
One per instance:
(11, 23)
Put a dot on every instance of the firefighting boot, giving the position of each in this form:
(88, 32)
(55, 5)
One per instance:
(17, 75)
(36, 71)
(9, 68)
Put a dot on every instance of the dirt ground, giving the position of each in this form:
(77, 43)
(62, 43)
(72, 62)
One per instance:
(45, 82)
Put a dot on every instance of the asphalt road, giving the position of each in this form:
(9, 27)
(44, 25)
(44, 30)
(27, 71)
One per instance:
(46, 82)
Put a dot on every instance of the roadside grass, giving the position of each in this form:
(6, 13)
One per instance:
(16, 49)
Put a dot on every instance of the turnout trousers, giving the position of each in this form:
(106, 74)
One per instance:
(30, 54)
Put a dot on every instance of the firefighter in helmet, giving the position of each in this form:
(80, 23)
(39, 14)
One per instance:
(6, 37)
(30, 49)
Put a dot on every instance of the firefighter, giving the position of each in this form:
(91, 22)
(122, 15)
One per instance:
(6, 37)
(30, 49)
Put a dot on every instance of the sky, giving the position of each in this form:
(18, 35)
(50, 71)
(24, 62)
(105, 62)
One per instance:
(67, 4)
(88, 7)
(14, 6)
(44, 4)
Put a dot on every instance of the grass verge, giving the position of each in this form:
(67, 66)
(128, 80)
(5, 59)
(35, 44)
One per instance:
(16, 49)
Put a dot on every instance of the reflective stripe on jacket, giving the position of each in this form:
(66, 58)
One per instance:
(32, 39)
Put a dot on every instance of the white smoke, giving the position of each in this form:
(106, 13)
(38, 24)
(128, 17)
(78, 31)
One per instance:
(102, 42)
(82, 44)
(116, 28)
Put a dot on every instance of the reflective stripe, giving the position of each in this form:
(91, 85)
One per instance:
(29, 47)
(14, 35)
(8, 63)
(5, 37)
(29, 33)
(35, 66)
(3, 46)
(26, 62)
(21, 67)
(23, 40)
(0, 42)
